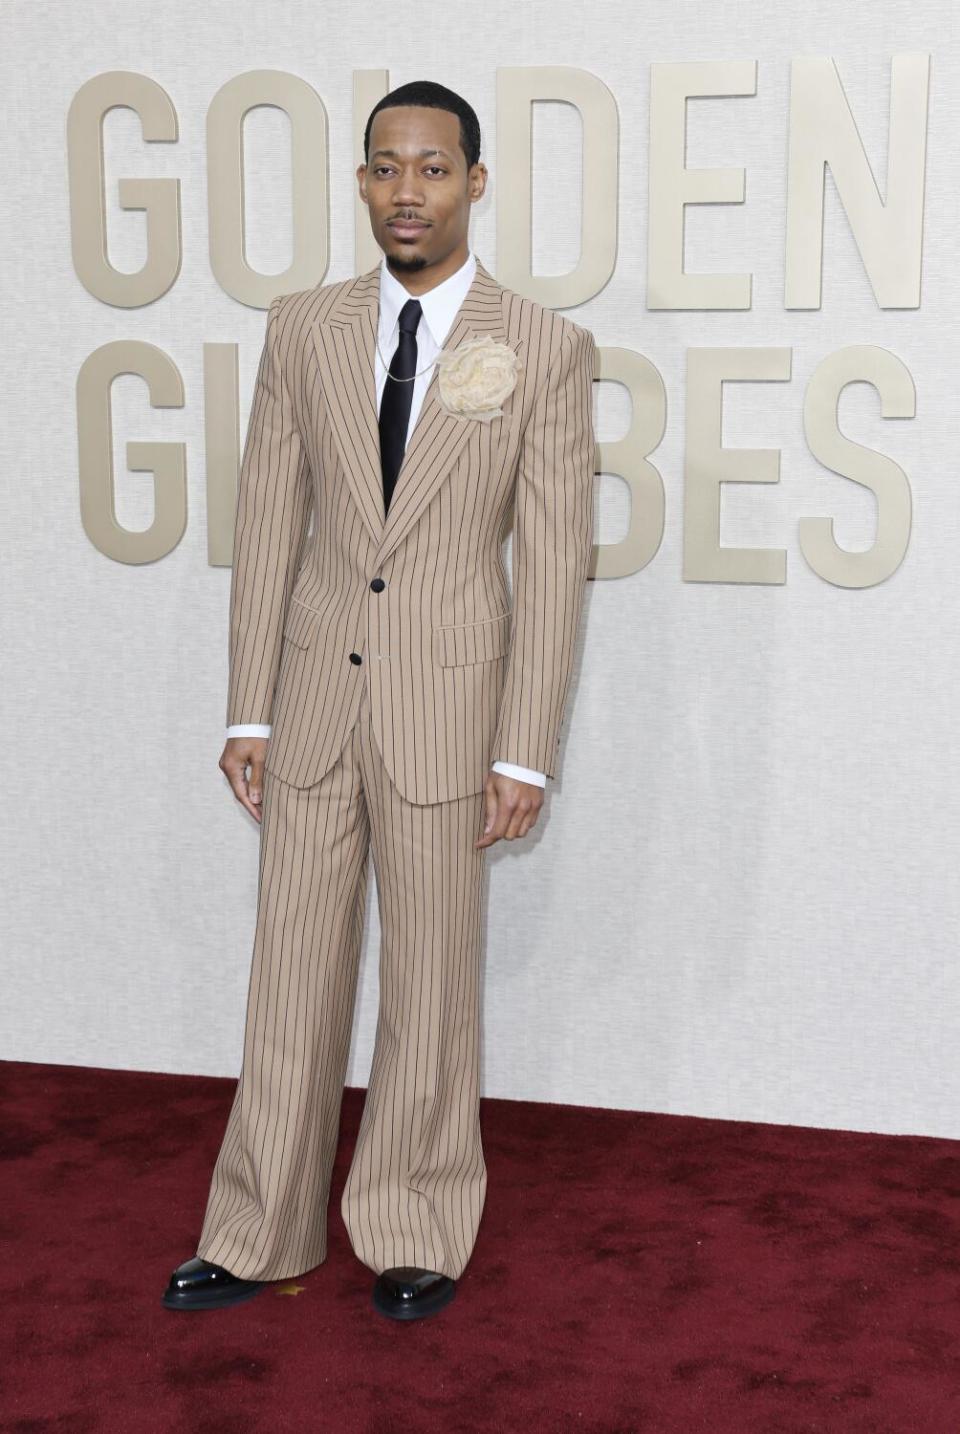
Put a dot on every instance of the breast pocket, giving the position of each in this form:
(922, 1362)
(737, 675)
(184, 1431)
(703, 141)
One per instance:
(456, 644)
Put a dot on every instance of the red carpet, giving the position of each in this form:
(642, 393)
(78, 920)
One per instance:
(632, 1273)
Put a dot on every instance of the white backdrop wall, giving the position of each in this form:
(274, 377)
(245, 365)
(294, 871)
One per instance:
(741, 899)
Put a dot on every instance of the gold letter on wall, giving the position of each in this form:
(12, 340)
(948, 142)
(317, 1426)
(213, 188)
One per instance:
(628, 458)
(516, 91)
(858, 363)
(225, 187)
(159, 198)
(887, 231)
(708, 464)
(166, 461)
(672, 185)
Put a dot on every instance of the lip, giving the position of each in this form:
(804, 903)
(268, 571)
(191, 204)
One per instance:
(404, 230)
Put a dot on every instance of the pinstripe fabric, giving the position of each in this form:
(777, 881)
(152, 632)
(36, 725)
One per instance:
(416, 1187)
(392, 665)
(457, 674)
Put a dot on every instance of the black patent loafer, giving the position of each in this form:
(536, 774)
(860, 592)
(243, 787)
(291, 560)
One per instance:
(406, 1292)
(199, 1285)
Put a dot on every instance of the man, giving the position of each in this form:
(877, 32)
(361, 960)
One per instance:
(413, 411)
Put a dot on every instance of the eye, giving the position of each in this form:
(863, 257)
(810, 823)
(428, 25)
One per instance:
(439, 167)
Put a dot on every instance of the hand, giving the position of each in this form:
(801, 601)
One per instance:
(235, 758)
(511, 808)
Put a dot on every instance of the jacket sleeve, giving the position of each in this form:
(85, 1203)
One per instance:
(552, 547)
(274, 500)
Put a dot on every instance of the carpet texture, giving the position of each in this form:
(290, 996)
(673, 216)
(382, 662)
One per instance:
(634, 1274)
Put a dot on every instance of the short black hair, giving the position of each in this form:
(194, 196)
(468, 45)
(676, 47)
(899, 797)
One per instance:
(436, 97)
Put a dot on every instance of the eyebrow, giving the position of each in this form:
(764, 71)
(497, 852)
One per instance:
(392, 153)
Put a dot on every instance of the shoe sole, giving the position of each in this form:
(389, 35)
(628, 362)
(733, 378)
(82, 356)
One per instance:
(213, 1300)
(416, 1310)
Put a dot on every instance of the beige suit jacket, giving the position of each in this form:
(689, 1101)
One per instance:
(417, 604)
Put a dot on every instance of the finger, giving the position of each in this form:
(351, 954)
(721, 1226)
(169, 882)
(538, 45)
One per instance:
(531, 818)
(255, 783)
(505, 819)
(490, 805)
(523, 818)
(236, 776)
(495, 831)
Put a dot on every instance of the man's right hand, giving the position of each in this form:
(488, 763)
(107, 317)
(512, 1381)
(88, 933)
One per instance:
(238, 754)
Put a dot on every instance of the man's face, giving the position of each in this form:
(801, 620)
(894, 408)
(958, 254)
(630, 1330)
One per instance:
(418, 173)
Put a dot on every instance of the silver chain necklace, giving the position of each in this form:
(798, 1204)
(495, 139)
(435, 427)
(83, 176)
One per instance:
(392, 375)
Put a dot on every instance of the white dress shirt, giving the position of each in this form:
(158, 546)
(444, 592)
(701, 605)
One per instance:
(439, 307)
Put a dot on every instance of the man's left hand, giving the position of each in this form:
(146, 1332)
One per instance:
(511, 808)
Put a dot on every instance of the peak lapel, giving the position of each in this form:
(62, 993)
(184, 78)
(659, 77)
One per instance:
(346, 345)
(346, 342)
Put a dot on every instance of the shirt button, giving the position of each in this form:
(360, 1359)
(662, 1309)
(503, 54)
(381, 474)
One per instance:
(356, 658)
(378, 585)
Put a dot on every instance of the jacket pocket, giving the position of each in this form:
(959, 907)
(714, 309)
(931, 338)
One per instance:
(300, 624)
(459, 643)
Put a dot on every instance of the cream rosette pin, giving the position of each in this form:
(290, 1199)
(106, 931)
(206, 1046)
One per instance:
(476, 377)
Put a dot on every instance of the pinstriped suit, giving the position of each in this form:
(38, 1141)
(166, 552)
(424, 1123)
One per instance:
(386, 656)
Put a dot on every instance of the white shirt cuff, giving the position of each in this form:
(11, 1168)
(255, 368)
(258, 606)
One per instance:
(521, 774)
(249, 729)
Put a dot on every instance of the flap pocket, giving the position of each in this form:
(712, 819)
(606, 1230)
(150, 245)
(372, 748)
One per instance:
(463, 642)
(300, 624)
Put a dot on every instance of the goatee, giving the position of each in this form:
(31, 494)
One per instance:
(404, 264)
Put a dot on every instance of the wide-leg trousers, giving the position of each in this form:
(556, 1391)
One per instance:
(417, 1181)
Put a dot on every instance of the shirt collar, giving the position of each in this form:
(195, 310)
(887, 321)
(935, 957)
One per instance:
(438, 305)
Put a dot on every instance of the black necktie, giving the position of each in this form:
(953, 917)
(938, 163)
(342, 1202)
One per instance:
(397, 398)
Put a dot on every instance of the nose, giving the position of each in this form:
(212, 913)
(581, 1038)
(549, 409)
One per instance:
(406, 192)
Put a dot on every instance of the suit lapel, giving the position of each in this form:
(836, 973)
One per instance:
(346, 348)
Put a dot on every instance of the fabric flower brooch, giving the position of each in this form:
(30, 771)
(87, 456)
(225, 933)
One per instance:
(476, 377)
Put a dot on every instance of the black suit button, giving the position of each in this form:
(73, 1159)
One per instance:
(378, 585)
(355, 657)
